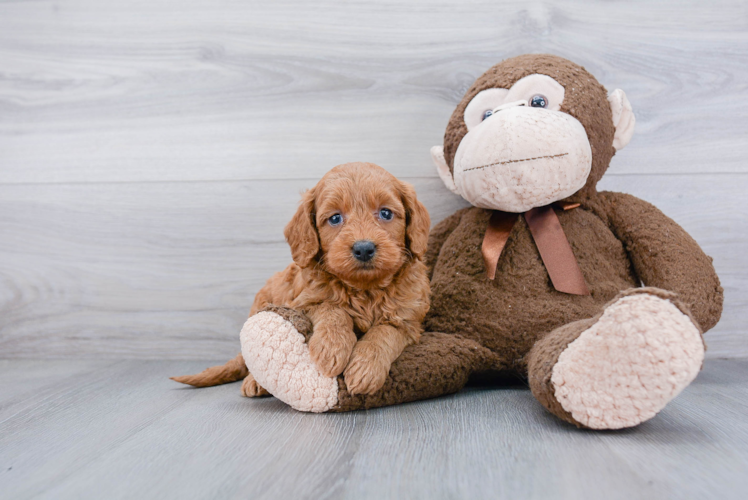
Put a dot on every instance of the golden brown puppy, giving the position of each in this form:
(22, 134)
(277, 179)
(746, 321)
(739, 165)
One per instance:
(357, 242)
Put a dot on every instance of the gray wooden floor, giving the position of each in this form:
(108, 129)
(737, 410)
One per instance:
(98, 429)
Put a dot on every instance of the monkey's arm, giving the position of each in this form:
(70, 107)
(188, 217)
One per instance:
(438, 236)
(664, 255)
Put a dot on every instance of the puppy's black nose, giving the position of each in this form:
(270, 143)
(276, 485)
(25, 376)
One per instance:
(364, 250)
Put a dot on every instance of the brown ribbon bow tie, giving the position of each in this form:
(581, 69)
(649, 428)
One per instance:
(550, 239)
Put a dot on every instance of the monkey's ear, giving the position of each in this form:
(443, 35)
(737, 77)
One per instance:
(417, 221)
(437, 154)
(301, 232)
(623, 118)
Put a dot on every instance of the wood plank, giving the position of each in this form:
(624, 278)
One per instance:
(169, 270)
(132, 433)
(165, 90)
(21, 378)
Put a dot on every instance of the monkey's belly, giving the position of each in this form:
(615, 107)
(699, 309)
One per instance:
(508, 314)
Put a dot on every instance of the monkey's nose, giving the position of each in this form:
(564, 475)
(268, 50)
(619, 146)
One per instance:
(364, 250)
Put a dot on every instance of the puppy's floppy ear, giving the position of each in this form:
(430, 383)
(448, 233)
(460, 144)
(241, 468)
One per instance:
(417, 220)
(301, 232)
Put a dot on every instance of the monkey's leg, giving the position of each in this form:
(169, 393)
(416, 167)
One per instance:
(438, 364)
(621, 367)
(274, 347)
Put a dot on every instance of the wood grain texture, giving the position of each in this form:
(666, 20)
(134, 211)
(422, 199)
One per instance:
(151, 152)
(123, 430)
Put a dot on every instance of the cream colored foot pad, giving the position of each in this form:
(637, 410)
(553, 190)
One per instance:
(278, 358)
(624, 369)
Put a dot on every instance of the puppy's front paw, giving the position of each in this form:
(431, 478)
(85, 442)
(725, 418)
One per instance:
(331, 351)
(251, 389)
(367, 371)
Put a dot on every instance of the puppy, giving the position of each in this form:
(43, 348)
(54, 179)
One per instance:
(357, 242)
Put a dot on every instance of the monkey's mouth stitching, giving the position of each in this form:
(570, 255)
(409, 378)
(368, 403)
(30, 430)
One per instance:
(515, 161)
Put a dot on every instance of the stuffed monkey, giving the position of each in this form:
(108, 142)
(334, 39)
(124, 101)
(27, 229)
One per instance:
(597, 298)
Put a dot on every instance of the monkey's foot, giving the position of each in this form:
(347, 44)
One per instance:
(274, 348)
(623, 369)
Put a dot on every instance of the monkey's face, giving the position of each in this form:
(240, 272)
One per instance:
(520, 151)
(517, 143)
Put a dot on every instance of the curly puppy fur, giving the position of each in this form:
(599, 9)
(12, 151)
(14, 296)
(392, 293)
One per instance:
(364, 313)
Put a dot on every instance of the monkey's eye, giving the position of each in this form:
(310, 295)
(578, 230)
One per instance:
(335, 220)
(487, 113)
(539, 101)
(385, 214)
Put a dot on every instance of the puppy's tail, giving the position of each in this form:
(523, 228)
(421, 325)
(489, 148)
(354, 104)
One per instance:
(232, 371)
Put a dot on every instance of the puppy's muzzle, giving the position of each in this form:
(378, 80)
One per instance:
(364, 250)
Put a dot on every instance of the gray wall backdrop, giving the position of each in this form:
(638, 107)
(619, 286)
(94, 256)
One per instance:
(151, 152)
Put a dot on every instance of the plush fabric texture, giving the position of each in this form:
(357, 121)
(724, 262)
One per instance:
(623, 118)
(623, 369)
(439, 364)
(445, 174)
(298, 320)
(662, 254)
(498, 166)
(482, 102)
(277, 355)
(550, 89)
(543, 358)
(509, 314)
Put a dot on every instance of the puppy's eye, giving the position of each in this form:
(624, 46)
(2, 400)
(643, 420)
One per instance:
(539, 101)
(487, 113)
(335, 220)
(385, 214)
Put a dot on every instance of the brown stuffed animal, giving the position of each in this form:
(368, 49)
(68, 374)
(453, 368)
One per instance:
(543, 275)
